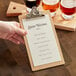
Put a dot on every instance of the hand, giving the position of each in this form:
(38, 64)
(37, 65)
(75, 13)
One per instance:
(12, 31)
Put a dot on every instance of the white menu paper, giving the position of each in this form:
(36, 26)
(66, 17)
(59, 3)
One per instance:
(41, 40)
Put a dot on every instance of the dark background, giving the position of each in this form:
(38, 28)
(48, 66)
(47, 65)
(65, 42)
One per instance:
(14, 60)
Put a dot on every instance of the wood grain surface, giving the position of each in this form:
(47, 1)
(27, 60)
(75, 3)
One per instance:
(14, 60)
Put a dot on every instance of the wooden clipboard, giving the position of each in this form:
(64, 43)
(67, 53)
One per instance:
(48, 65)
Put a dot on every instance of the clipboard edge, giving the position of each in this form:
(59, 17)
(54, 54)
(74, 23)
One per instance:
(40, 67)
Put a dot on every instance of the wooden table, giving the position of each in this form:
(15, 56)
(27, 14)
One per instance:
(17, 53)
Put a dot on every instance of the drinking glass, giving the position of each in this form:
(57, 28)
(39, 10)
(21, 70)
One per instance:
(68, 8)
(51, 5)
(31, 3)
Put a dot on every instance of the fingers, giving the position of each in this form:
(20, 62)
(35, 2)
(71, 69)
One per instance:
(20, 31)
(17, 24)
(19, 38)
(14, 41)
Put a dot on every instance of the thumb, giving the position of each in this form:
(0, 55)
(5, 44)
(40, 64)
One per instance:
(20, 31)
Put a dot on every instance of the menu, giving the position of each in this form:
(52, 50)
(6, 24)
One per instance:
(41, 40)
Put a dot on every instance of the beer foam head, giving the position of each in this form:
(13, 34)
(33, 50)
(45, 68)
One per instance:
(50, 2)
(67, 3)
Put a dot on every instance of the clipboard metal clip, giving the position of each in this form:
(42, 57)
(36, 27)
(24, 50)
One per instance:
(34, 13)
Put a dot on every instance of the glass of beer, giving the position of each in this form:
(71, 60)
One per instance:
(51, 5)
(31, 3)
(68, 8)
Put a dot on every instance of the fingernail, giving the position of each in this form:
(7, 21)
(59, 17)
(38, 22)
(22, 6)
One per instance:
(25, 33)
(18, 42)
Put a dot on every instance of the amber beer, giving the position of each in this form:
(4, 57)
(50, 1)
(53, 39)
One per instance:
(51, 5)
(67, 8)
